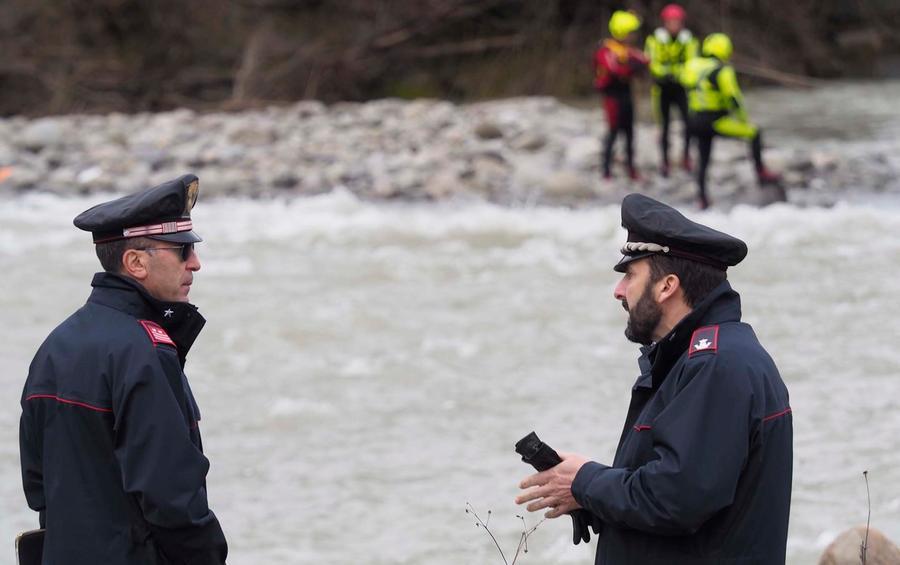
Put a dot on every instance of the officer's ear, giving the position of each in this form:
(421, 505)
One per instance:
(667, 287)
(135, 264)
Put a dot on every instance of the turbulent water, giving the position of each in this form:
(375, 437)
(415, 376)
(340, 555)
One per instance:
(367, 368)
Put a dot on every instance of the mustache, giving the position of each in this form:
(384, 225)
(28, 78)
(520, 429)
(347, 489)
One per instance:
(625, 306)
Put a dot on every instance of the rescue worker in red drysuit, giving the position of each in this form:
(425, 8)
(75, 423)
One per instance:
(616, 61)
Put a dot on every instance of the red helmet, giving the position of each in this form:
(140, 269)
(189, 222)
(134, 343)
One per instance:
(672, 12)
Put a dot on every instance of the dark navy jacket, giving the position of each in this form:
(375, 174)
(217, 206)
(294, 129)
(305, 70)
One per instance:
(702, 474)
(109, 437)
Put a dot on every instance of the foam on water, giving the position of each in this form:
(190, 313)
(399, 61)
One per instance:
(367, 368)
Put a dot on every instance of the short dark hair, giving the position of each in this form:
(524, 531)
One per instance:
(110, 253)
(697, 279)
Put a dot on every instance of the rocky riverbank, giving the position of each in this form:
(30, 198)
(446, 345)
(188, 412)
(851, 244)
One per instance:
(514, 151)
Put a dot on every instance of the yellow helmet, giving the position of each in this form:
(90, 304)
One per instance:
(622, 23)
(718, 45)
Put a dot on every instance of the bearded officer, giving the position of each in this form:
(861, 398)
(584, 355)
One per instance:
(702, 473)
(109, 437)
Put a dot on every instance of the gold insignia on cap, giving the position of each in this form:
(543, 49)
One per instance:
(190, 196)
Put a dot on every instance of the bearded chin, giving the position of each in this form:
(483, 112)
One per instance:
(637, 333)
(643, 320)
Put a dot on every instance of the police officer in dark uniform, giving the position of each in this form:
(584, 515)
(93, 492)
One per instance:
(109, 438)
(702, 473)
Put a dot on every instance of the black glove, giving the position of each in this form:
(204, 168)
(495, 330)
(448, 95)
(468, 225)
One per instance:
(581, 521)
(542, 457)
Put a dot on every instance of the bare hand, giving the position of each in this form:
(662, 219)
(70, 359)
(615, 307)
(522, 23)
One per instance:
(553, 488)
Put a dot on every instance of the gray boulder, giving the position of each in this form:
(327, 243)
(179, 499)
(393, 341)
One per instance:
(846, 549)
(488, 130)
(41, 133)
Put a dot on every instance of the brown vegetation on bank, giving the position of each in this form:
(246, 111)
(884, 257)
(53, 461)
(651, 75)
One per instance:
(129, 55)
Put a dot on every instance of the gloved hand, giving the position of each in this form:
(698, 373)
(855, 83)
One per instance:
(637, 59)
(582, 524)
(542, 457)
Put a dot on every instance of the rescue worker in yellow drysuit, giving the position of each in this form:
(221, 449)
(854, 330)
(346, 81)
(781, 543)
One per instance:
(717, 108)
(669, 48)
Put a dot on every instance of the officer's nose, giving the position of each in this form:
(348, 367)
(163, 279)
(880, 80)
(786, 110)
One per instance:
(619, 291)
(193, 262)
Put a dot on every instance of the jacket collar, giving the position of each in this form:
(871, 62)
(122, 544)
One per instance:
(181, 320)
(645, 365)
(721, 305)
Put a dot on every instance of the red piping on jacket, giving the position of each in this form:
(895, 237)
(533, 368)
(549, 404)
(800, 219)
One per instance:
(67, 401)
(784, 412)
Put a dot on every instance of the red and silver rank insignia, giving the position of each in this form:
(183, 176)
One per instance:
(156, 333)
(705, 339)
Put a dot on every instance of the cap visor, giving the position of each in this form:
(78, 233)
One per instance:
(180, 237)
(622, 265)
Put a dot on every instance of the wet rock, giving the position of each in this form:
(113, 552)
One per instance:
(583, 153)
(7, 155)
(488, 130)
(528, 141)
(824, 161)
(41, 133)
(217, 182)
(442, 185)
(780, 161)
(308, 108)
(383, 187)
(312, 182)
(154, 157)
(252, 136)
(566, 183)
(285, 181)
(487, 173)
(767, 194)
(89, 175)
(404, 182)
(25, 178)
(801, 165)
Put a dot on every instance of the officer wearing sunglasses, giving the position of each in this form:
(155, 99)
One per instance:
(109, 436)
(185, 250)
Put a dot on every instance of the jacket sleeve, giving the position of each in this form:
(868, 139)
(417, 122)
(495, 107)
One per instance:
(728, 86)
(701, 440)
(614, 65)
(692, 49)
(651, 48)
(30, 449)
(692, 73)
(596, 62)
(161, 467)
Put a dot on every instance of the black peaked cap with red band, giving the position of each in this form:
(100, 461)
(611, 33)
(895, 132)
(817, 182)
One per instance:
(657, 229)
(162, 212)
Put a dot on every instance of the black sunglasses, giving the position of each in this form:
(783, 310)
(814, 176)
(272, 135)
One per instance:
(187, 249)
